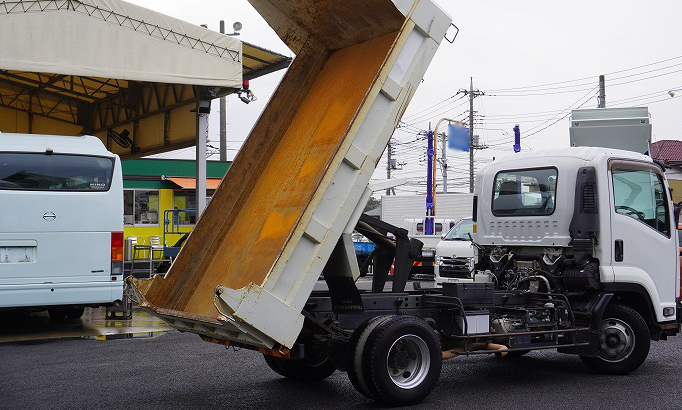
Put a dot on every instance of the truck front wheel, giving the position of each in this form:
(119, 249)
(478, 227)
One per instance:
(623, 342)
(301, 370)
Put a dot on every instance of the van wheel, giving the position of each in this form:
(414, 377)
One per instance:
(301, 370)
(75, 313)
(403, 360)
(57, 315)
(623, 342)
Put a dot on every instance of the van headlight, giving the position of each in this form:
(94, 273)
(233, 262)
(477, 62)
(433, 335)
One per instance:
(439, 260)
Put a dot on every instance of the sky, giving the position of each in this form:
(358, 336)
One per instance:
(535, 60)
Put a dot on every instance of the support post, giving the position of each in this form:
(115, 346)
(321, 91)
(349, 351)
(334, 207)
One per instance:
(166, 127)
(389, 154)
(223, 116)
(445, 163)
(203, 110)
(428, 221)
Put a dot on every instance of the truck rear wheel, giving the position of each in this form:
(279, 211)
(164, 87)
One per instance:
(623, 342)
(401, 360)
(356, 366)
(302, 370)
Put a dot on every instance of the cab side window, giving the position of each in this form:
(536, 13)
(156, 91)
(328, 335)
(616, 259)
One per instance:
(641, 195)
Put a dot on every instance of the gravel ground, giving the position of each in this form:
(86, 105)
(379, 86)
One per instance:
(179, 370)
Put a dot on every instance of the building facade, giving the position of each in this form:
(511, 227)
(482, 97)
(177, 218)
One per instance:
(153, 186)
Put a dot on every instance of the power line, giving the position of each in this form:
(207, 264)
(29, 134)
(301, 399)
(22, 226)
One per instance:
(585, 78)
(559, 119)
(611, 79)
(583, 89)
(433, 106)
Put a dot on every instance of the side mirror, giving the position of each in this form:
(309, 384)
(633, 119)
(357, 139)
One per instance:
(677, 208)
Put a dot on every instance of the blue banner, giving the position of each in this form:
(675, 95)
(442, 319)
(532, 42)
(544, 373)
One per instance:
(458, 137)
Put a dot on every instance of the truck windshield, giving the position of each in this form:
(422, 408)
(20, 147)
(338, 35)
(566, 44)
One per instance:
(461, 231)
(525, 192)
(56, 172)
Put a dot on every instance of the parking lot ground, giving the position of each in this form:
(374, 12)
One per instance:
(38, 326)
(180, 371)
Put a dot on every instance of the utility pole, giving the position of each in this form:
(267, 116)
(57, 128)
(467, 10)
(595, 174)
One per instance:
(602, 92)
(223, 116)
(471, 135)
(472, 94)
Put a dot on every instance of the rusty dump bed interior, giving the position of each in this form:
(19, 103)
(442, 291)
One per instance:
(263, 204)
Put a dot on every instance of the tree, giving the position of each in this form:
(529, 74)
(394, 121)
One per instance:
(372, 203)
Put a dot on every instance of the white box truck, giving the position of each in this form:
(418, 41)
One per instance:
(406, 211)
(61, 224)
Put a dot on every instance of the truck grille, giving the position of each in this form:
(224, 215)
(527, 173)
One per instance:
(454, 267)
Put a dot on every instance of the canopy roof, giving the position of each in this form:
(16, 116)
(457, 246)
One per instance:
(191, 183)
(92, 66)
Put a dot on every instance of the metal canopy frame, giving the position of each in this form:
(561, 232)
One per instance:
(101, 104)
(86, 104)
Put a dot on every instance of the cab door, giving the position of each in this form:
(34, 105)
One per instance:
(644, 248)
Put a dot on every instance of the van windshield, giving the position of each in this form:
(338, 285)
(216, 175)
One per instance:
(461, 231)
(56, 172)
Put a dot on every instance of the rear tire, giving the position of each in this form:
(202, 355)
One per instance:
(75, 313)
(57, 315)
(403, 360)
(623, 342)
(300, 370)
(357, 363)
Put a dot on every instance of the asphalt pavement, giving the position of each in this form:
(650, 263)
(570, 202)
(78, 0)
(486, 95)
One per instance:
(180, 371)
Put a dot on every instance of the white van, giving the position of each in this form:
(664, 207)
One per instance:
(61, 225)
(454, 254)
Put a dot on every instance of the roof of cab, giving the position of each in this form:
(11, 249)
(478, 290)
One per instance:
(581, 153)
(59, 144)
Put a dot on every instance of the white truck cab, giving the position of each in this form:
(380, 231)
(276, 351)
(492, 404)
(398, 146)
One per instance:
(61, 224)
(588, 223)
(454, 253)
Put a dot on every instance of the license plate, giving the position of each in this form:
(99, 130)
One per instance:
(17, 254)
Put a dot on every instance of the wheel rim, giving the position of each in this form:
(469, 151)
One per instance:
(616, 341)
(408, 361)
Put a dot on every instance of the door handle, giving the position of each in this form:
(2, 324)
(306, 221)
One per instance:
(619, 250)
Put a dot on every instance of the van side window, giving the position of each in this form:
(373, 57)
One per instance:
(641, 196)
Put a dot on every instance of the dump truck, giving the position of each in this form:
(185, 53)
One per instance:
(555, 277)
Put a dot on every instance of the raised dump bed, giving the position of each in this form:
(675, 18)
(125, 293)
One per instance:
(300, 180)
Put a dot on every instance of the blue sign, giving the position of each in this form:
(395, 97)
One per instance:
(458, 137)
